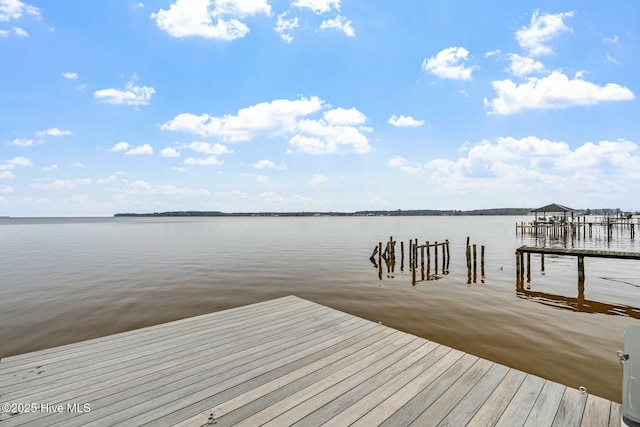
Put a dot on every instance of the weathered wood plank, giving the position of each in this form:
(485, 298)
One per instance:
(571, 408)
(518, 409)
(462, 413)
(546, 406)
(494, 406)
(437, 411)
(616, 415)
(596, 412)
(581, 252)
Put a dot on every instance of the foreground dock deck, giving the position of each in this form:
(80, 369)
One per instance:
(282, 362)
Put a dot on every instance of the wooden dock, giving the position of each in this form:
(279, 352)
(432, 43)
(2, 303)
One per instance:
(282, 362)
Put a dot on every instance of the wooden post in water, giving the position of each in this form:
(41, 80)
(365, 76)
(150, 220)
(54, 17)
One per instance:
(428, 260)
(402, 256)
(410, 254)
(448, 255)
(468, 251)
(580, 268)
(422, 262)
(475, 271)
(517, 267)
(435, 258)
(528, 267)
(482, 261)
(444, 259)
(541, 262)
(380, 260)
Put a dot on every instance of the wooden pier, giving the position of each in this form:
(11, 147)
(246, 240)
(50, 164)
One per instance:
(580, 253)
(282, 362)
(579, 228)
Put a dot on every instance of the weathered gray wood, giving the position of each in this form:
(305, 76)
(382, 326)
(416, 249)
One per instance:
(518, 409)
(615, 417)
(596, 412)
(546, 406)
(285, 362)
(469, 405)
(161, 330)
(496, 403)
(437, 411)
(571, 407)
(409, 392)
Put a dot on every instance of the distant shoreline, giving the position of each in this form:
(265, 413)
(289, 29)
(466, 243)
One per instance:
(398, 212)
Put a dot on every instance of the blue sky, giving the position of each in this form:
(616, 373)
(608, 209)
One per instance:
(305, 105)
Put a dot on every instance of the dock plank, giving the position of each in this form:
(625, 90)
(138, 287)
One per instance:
(284, 362)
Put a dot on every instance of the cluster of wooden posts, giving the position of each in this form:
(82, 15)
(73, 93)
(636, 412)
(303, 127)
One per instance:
(579, 228)
(471, 249)
(418, 254)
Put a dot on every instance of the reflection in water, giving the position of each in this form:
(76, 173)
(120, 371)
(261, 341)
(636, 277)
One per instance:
(575, 304)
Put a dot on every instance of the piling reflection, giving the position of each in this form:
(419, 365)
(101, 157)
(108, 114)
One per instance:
(579, 303)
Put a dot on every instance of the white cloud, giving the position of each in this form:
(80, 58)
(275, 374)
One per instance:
(339, 23)
(541, 30)
(271, 197)
(553, 91)
(611, 40)
(131, 95)
(270, 118)
(449, 64)
(317, 6)
(20, 32)
(83, 86)
(284, 27)
(169, 152)
(403, 121)
(120, 146)
(268, 164)
(109, 179)
(343, 116)
(6, 189)
(318, 179)
(612, 59)
(262, 178)
(510, 166)
(22, 142)
(50, 168)
(178, 169)
(70, 75)
(10, 10)
(206, 161)
(405, 165)
(207, 148)
(53, 132)
(492, 53)
(523, 66)
(20, 161)
(326, 138)
(140, 149)
(59, 184)
(77, 165)
(187, 18)
(6, 175)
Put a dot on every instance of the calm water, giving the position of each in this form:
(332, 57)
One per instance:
(66, 280)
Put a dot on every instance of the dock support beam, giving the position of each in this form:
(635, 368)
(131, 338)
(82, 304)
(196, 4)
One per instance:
(580, 269)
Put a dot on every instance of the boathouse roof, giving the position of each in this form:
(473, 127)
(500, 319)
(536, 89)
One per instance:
(553, 208)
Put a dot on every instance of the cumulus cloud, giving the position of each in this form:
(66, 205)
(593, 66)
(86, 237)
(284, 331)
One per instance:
(553, 91)
(405, 165)
(405, 121)
(511, 165)
(268, 164)
(70, 75)
(22, 142)
(318, 179)
(120, 146)
(317, 6)
(4, 174)
(11, 10)
(203, 161)
(50, 168)
(5, 189)
(324, 138)
(169, 152)
(207, 148)
(16, 31)
(188, 18)
(339, 23)
(285, 27)
(449, 64)
(53, 132)
(535, 37)
(343, 116)
(59, 184)
(269, 118)
(523, 66)
(131, 95)
(140, 149)
(18, 161)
